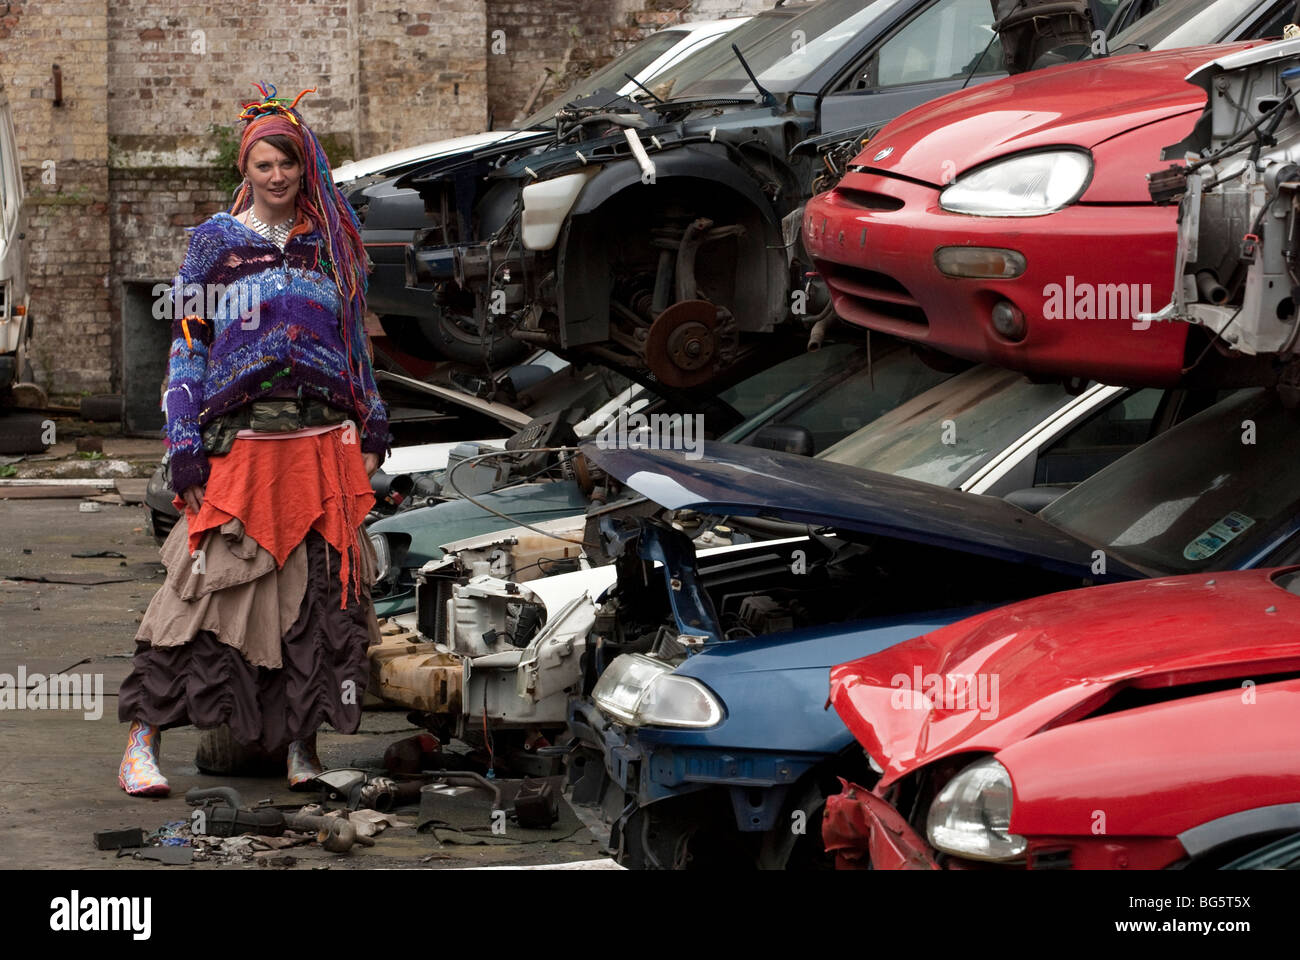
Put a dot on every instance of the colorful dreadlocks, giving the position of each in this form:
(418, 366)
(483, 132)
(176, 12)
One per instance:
(319, 206)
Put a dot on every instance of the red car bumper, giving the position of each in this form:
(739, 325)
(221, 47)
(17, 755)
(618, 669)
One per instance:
(1089, 270)
(863, 829)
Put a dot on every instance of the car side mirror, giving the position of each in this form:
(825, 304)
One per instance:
(785, 438)
(1034, 499)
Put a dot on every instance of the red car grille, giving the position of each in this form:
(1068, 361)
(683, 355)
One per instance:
(874, 299)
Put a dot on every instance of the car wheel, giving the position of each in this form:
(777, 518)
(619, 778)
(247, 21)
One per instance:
(683, 833)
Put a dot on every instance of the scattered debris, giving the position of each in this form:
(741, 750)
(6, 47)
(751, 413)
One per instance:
(117, 839)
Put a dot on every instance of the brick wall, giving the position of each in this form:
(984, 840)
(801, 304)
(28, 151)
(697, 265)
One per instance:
(64, 153)
(422, 72)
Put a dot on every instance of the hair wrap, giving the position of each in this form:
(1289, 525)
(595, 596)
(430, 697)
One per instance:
(318, 205)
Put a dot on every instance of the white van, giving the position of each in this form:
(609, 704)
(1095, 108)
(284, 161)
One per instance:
(15, 321)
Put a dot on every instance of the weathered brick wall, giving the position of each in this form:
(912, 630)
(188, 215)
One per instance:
(422, 72)
(561, 40)
(64, 153)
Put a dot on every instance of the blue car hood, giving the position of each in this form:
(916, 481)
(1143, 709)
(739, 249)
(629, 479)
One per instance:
(748, 481)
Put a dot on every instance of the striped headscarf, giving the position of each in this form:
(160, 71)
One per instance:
(319, 205)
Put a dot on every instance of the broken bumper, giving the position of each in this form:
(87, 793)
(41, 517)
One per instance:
(863, 830)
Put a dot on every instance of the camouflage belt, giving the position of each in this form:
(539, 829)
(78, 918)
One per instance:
(267, 416)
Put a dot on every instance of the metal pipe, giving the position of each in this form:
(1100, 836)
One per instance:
(819, 329)
(1211, 291)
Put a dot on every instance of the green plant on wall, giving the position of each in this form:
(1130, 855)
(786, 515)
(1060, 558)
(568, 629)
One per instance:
(225, 144)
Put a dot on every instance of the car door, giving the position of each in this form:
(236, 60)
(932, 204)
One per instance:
(944, 46)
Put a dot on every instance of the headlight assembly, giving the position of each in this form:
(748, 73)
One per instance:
(1028, 185)
(384, 559)
(642, 691)
(971, 816)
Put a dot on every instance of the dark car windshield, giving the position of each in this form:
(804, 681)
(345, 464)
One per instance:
(1185, 23)
(612, 75)
(782, 49)
(829, 392)
(949, 432)
(1197, 497)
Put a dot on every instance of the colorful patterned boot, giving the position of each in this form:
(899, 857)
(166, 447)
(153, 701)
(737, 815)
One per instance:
(139, 774)
(304, 765)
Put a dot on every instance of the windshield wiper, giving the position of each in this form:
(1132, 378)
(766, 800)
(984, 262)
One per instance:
(768, 99)
(657, 99)
(1141, 46)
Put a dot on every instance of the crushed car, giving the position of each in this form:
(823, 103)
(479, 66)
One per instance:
(1139, 726)
(677, 744)
(960, 225)
(391, 217)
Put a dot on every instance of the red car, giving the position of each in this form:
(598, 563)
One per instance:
(1011, 223)
(1137, 726)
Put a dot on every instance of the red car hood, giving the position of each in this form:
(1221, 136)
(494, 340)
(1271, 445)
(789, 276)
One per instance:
(1080, 104)
(1054, 660)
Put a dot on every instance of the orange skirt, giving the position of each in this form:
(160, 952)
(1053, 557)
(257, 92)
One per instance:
(282, 488)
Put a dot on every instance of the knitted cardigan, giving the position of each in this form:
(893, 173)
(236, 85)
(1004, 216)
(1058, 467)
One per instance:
(268, 320)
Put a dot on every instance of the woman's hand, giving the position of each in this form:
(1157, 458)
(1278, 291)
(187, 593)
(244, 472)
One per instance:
(193, 497)
(371, 460)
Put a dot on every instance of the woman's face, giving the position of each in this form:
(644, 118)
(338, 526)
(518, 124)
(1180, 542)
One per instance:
(275, 177)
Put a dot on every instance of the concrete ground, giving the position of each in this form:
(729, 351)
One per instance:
(58, 769)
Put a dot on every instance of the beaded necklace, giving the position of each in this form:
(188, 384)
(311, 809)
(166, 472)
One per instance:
(277, 233)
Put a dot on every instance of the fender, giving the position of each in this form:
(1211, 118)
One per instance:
(710, 162)
(584, 298)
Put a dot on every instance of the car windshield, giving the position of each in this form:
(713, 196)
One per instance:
(1197, 497)
(1188, 23)
(947, 433)
(612, 75)
(829, 392)
(782, 47)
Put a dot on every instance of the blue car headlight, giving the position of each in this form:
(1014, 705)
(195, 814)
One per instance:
(642, 691)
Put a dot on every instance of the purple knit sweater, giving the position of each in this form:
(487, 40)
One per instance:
(271, 323)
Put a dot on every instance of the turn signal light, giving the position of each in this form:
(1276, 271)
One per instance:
(979, 263)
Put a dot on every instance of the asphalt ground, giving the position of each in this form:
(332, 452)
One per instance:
(58, 768)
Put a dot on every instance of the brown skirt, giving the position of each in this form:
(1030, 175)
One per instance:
(322, 675)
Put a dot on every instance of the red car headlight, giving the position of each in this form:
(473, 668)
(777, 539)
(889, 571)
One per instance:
(1026, 185)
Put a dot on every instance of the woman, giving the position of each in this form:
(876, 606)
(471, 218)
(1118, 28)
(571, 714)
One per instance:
(274, 424)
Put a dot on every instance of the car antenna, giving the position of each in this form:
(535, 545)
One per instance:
(657, 99)
(768, 99)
